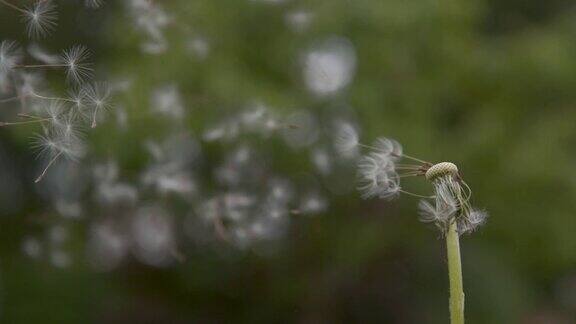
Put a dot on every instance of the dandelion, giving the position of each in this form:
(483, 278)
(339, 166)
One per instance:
(449, 209)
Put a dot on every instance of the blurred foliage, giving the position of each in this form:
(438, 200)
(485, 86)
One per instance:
(488, 85)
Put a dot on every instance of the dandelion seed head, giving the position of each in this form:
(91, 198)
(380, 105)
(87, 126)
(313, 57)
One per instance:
(40, 18)
(451, 201)
(441, 169)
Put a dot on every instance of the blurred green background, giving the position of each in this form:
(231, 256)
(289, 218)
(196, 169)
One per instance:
(488, 85)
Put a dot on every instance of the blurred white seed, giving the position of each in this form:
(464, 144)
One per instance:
(32, 247)
(299, 20)
(346, 139)
(153, 236)
(94, 4)
(329, 66)
(166, 100)
(60, 259)
(40, 54)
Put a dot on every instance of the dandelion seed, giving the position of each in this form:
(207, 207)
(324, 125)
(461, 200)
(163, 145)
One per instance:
(40, 54)
(60, 259)
(306, 131)
(29, 83)
(153, 234)
(98, 98)
(107, 246)
(55, 144)
(166, 100)
(330, 66)
(77, 96)
(299, 20)
(388, 148)
(40, 18)
(78, 69)
(32, 247)
(10, 56)
(346, 141)
(377, 177)
(94, 4)
(199, 47)
(313, 203)
(322, 161)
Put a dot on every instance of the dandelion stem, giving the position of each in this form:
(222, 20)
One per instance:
(52, 98)
(23, 115)
(410, 174)
(408, 168)
(94, 117)
(48, 167)
(39, 65)
(455, 275)
(24, 122)
(413, 158)
(10, 99)
(414, 195)
(394, 154)
(13, 6)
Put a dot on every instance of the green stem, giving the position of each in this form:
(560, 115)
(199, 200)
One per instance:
(455, 275)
